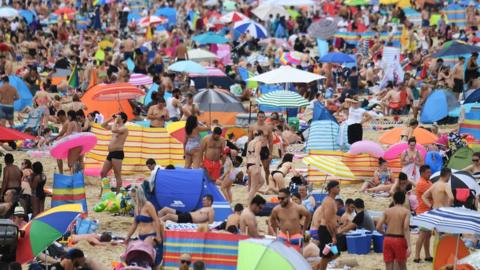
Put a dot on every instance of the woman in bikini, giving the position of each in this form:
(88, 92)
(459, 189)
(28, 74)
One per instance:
(73, 127)
(191, 147)
(411, 160)
(408, 132)
(254, 164)
(382, 179)
(277, 177)
(146, 221)
(474, 169)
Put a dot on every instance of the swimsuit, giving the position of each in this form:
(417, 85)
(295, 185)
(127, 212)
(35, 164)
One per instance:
(324, 238)
(264, 153)
(274, 172)
(250, 164)
(115, 155)
(143, 219)
(6, 111)
(295, 241)
(213, 168)
(192, 143)
(184, 218)
(394, 248)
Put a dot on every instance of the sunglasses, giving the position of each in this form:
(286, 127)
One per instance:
(185, 261)
(475, 160)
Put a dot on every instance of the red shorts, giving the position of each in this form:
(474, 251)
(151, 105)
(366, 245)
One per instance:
(213, 168)
(394, 249)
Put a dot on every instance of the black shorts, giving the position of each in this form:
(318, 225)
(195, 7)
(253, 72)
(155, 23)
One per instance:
(6, 112)
(32, 52)
(264, 153)
(355, 133)
(184, 218)
(115, 155)
(324, 239)
(457, 85)
(127, 55)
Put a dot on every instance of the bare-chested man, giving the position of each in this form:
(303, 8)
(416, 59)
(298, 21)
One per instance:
(128, 48)
(115, 148)
(396, 243)
(458, 77)
(12, 175)
(212, 148)
(158, 114)
(326, 220)
(286, 217)
(189, 108)
(174, 105)
(440, 193)
(267, 143)
(8, 94)
(202, 215)
(233, 220)
(248, 221)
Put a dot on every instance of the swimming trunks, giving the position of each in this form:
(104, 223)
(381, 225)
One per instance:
(6, 111)
(458, 85)
(264, 153)
(184, 218)
(115, 155)
(213, 168)
(394, 248)
(295, 241)
(314, 234)
(325, 238)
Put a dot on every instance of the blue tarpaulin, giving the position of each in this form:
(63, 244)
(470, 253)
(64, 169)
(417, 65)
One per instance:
(437, 106)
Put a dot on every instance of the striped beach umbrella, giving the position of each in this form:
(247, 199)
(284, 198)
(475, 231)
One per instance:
(454, 220)
(152, 20)
(256, 30)
(233, 16)
(456, 14)
(117, 91)
(283, 99)
(294, 58)
(138, 79)
(329, 165)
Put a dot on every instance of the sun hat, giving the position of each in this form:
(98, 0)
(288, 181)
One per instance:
(19, 211)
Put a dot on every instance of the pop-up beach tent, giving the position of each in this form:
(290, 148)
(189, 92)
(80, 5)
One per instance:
(183, 190)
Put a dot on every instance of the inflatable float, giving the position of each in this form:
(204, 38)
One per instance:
(86, 140)
(369, 147)
(397, 149)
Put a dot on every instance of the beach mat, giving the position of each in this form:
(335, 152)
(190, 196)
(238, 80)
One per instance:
(216, 250)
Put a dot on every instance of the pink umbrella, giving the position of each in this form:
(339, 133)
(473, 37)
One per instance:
(138, 79)
(397, 149)
(149, 20)
(294, 58)
(211, 72)
(117, 92)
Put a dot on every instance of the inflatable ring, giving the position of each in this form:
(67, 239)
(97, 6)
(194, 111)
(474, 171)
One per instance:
(397, 149)
(86, 140)
(369, 147)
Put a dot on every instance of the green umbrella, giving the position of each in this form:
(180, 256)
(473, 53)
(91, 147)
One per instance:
(357, 2)
(268, 254)
(229, 5)
(293, 13)
(283, 99)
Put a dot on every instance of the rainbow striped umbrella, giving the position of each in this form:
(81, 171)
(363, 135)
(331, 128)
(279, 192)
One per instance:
(140, 79)
(283, 99)
(44, 229)
(329, 165)
(294, 58)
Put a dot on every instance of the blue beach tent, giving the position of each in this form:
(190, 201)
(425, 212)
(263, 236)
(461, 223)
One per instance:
(23, 91)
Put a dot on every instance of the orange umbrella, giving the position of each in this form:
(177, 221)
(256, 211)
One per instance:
(105, 107)
(422, 135)
(64, 10)
(117, 91)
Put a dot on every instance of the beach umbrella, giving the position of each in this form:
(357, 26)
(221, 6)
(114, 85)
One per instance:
(323, 29)
(152, 20)
(4, 47)
(437, 106)
(456, 14)
(233, 16)
(294, 58)
(218, 101)
(138, 79)
(356, 2)
(117, 91)
(201, 55)
(283, 99)
(286, 74)
(459, 179)
(65, 11)
(10, 134)
(256, 30)
(28, 15)
(473, 97)
(388, 2)
(329, 165)
(44, 229)
(105, 44)
(422, 135)
(290, 2)
(269, 254)
(8, 12)
(456, 47)
(263, 11)
(453, 220)
(187, 67)
(209, 38)
(337, 58)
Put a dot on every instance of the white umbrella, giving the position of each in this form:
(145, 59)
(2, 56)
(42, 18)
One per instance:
(290, 2)
(210, 3)
(201, 55)
(286, 74)
(265, 10)
(8, 12)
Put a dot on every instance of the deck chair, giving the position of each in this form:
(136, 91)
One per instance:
(33, 123)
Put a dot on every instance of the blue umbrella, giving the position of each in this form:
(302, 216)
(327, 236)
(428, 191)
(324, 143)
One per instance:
(187, 67)
(168, 12)
(437, 106)
(473, 97)
(256, 30)
(27, 15)
(209, 38)
(337, 57)
(456, 47)
(82, 22)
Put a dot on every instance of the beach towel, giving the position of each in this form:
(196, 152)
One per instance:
(216, 250)
(68, 189)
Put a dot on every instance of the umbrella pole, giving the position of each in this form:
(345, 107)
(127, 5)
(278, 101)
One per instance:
(455, 259)
(250, 112)
(210, 113)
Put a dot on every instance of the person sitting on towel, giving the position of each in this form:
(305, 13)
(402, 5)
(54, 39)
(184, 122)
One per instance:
(202, 215)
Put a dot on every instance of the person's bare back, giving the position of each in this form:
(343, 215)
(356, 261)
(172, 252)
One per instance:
(395, 219)
(8, 94)
(248, 223)
(441, 194)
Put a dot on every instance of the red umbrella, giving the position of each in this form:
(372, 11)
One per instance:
(4, 47)
(8, 134)
(117, 91)
(64, 10)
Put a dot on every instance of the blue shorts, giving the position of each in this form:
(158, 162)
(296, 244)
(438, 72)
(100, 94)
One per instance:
(6, 112)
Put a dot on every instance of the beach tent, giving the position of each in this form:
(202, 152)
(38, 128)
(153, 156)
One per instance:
(218, 104)
(106, 108)
(471, 122)
(445, 251)
(461, 159)
(437, 106)
(183, 190)
(321, 113)
(23, 91)
(323, 135)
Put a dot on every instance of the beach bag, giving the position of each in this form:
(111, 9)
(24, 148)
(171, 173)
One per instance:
(85, 225)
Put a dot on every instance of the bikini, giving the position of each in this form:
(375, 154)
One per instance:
(144, 219)
(192, 143)
(274, 172)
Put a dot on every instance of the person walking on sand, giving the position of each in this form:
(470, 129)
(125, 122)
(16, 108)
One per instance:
(327, 220)
(191, 147)
(212, 148)
(396, 242)
(8, 94)
(424, 235)
(254, 165)
(267, 142)
(286, 217)
(440, 193)
(115, 148)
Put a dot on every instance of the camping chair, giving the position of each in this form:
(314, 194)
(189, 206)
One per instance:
(34, 121)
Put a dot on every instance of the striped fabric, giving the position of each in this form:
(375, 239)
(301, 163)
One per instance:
(211, 72)
(413, 16)
(216, 250)
(454, 220)
(352, 37)
(456, 14)
(142, 143)
(323, 135)
(68, 189)
(283, 99)
(140, 79)
(362, 166)
(332, 166)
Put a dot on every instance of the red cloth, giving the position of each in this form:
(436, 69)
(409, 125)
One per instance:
(394, 249)
(213, 168)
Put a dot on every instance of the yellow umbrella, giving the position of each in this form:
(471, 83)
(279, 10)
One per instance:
(105, 44)
(329, 165)
(388, 2)
(404, 4)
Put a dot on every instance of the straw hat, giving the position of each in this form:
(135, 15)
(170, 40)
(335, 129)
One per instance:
(19, 211)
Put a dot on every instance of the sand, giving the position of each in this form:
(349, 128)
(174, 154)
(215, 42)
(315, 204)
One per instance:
(119, 225)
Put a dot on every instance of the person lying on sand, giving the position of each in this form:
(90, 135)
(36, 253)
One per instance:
(202, 215)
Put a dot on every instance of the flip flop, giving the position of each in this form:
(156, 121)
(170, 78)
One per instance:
(417, 260)
(429, 259)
